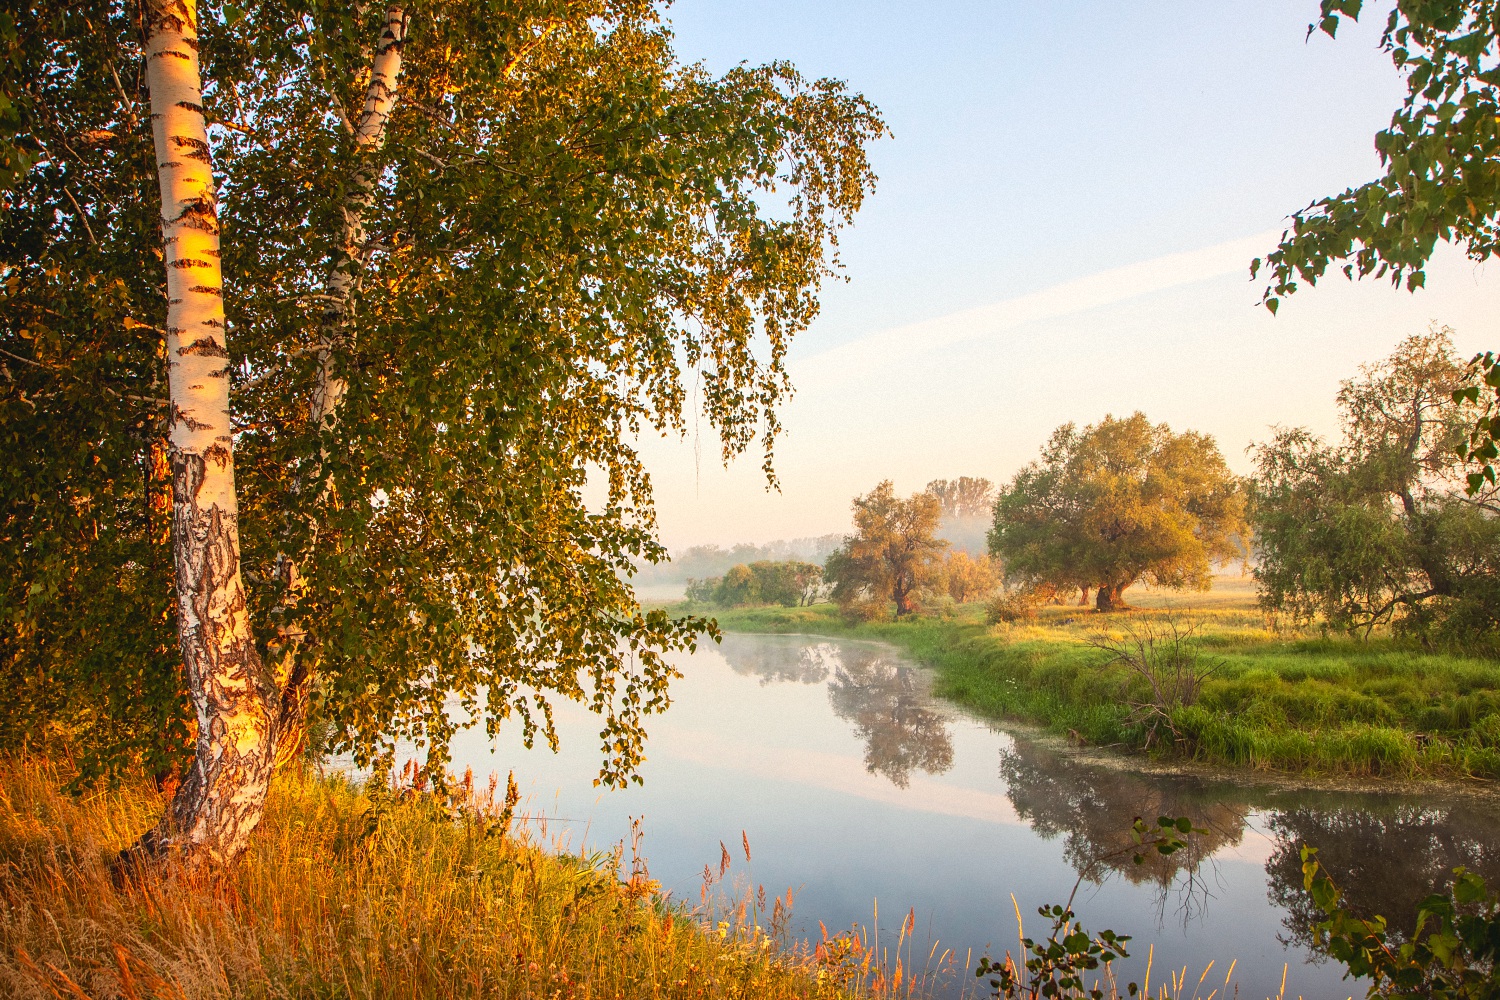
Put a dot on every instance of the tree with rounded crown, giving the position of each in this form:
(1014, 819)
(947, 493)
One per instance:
(1117, 502)
(892, 552)
(427, 272)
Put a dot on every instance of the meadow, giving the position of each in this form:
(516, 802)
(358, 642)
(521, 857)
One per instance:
(1268, 696)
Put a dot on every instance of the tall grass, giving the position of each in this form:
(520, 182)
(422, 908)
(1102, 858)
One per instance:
(343, 896)
(410, 895)
(1277, 700)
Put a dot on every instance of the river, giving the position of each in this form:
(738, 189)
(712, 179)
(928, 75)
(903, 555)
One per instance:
(856, 789)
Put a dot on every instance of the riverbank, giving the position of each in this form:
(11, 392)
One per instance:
(1274, 701)
(339, 896)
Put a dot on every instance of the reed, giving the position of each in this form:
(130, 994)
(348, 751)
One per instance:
(412, 894)
(342, 894)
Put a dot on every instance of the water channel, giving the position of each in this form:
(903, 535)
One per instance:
(855, 788)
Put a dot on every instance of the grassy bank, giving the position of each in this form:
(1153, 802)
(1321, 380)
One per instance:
(1303, 703)
(339, 899)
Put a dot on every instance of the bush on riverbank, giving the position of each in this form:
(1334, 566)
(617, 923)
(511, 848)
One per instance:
(1288, 702)
(339, 898)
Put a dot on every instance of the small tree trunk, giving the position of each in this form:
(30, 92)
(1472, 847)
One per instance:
(1083, 598)
(297, 670)
(221, 798)
(369, 136)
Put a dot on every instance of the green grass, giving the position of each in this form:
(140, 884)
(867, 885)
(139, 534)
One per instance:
(329, 902)
(1281, 701)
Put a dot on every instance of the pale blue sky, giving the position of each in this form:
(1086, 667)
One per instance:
(1053, 144)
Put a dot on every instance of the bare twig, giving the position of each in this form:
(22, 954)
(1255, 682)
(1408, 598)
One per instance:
(1160, 653)
(81, 216)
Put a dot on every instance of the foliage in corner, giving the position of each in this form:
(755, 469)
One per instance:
(1451, 956)
(1440, 183)
(1438, 154)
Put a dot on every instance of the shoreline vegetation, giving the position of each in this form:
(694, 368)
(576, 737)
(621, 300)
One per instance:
(1267, 697)
(411, 894)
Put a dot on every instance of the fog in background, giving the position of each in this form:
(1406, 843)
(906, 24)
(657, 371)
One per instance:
(1062, 230)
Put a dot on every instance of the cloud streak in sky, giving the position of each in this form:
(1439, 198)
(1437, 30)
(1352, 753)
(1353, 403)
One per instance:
(1105, 288)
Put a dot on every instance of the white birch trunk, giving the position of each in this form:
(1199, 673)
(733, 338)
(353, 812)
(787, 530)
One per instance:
(328, 392)
(369, 136)
(221, 799)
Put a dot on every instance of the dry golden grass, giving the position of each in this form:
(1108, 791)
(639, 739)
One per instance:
(340, 897)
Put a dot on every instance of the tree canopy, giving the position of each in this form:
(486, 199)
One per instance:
(964, 497)
(566, 226)
(969, 578)
(1116, 502)
(1438, 154)
(891, 554)
(1378, 527)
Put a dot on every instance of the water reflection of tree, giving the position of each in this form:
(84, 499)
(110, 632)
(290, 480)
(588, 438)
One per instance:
(775, 660)
(892, 711)
(1386, 860)
(1093, 809)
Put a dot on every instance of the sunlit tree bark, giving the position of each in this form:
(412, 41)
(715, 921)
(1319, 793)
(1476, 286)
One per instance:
(369, 136)
(221, 798)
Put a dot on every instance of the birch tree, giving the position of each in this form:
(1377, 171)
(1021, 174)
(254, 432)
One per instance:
(223, 792)
(471, 253)
(328, 390)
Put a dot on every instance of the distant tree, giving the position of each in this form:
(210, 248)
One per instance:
(964, 496)
(787, 582)
(704, 591)
(1379, 528)
(967, 508)
(739, 587)
(1117, 502)
(892, 551)
(969, 578)
(701, 562)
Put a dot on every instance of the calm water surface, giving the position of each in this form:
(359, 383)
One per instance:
(853, 785)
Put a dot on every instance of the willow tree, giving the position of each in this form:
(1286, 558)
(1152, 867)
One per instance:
(1116, 502)
(891, 555)
(470, 252)
(1377, 528)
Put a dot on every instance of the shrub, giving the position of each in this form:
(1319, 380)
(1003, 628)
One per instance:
(1021, 605)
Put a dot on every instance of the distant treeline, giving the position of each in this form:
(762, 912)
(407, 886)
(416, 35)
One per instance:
(704, 561)
(788, 582)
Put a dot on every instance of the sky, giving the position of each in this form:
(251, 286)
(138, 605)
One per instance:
(1062, 230)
